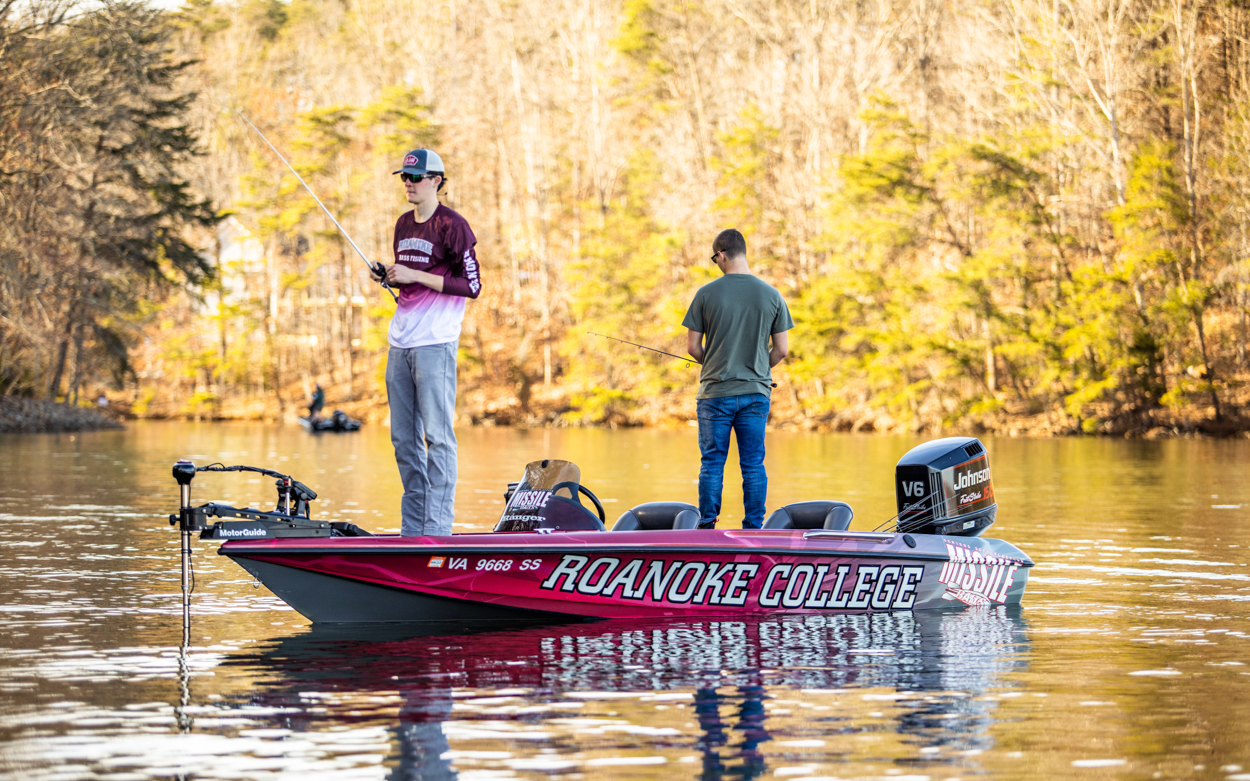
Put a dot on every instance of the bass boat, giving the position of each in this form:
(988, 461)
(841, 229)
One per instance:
(336, 421)
(550, 558)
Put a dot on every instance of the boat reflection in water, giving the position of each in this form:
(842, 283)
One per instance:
(932, 665)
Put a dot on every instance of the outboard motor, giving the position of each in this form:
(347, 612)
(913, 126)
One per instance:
(944, 487)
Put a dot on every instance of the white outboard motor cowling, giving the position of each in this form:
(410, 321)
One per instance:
(944, 487)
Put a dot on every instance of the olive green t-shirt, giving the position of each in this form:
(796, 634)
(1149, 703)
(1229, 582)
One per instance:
(736, 315)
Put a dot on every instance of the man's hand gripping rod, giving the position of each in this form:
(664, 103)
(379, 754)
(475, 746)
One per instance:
(379, 270)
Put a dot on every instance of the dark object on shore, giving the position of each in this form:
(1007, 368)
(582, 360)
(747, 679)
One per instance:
(36, 415)
(337, 421)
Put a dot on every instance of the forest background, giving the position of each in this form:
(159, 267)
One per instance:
(1020, 216)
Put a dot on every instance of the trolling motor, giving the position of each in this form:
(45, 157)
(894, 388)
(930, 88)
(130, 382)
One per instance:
(944, 487)
(290, 518)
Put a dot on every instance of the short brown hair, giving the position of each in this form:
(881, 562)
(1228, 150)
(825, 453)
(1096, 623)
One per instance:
(731, 243)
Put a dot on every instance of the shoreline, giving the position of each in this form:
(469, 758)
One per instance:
(38, 416)
(549, 410)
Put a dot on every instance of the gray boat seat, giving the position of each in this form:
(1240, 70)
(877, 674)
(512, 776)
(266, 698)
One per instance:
(819, 514)
(653, 516)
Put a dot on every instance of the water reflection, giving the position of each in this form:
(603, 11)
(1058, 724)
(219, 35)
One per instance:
(799, 683)
(423, 749)
(1137, 650)
(748, 719)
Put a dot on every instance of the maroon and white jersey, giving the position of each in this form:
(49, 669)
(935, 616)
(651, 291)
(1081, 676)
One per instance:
(441, 245)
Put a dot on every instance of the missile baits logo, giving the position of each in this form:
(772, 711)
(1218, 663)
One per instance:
(410, 160)
(976, 578)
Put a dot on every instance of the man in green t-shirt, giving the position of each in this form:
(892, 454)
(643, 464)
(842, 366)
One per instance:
(730, 323)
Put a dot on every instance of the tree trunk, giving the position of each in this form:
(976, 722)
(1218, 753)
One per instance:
(54, 387)
(1242, 330)
(221, 315)
(277, 380)
(78, 358)
(1206, 362)
(991, 370)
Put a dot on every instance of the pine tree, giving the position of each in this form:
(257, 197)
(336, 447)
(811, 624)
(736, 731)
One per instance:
(94, 178)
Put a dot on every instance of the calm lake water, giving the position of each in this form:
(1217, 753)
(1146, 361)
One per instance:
(1130, 657)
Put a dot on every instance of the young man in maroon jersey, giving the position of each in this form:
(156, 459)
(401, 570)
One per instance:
(435, 272)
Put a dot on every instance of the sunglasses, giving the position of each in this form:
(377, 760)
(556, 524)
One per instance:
(414, 178)
(714, 254)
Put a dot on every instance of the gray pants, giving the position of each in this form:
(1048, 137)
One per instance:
(421, 389)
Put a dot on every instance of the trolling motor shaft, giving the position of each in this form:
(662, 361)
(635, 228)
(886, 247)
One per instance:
(184, 473)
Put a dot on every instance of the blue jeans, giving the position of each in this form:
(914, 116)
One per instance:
(745, 416)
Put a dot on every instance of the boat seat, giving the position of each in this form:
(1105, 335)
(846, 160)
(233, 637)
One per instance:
(653, 516)
(819, 514)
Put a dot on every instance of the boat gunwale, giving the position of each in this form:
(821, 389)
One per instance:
(252, 549)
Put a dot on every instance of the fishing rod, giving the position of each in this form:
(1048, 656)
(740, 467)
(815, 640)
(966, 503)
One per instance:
(644, 347)
(380, 269)
(688, 361)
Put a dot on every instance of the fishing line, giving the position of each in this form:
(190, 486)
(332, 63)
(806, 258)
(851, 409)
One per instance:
(919, 505)
(379, 269)
(191, 570)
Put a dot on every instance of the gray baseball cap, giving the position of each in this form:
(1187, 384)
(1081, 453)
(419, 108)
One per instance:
(422, 161)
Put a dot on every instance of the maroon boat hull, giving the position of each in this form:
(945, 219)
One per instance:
(636, 574)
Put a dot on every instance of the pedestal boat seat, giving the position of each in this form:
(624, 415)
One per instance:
(819, 514)
(655, 516)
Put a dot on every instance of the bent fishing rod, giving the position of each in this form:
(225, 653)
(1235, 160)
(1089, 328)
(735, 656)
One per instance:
(379, 269)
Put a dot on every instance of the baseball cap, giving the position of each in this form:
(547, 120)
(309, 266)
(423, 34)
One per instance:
(422, 161)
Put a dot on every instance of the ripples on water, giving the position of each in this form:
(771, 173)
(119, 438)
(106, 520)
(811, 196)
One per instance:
(1128, 658)
(727, 697)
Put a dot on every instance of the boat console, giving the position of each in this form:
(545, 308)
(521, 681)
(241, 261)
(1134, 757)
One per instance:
(536, 503)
